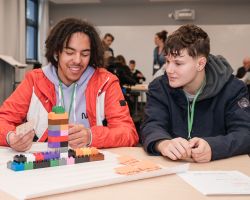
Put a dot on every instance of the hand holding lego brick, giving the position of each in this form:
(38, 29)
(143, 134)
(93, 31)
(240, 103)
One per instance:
(79, 136)
(21, 142)
(25, 127)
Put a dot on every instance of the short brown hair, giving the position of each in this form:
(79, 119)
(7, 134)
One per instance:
(190, 37)
(109, 35)
(61, 34)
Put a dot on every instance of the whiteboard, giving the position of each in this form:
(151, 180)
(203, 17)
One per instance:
(137, 42)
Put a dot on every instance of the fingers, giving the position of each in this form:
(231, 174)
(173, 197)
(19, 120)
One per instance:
(193, 142)
(198, 145)
(75, 128)
(78, 136)
(201, 158)
(175, 149)
(201, 152)
(22, 142)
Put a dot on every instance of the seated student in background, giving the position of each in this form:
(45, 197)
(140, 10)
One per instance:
(75, 80)
(137, 75)
(242, 71)
(119, 67)
(197, 110)
(37, 65)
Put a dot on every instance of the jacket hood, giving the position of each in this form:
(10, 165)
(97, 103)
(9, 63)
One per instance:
(51, 73)
(218, 71)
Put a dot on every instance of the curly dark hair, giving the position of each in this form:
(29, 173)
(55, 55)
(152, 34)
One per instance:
(61, 34)
(190, 37)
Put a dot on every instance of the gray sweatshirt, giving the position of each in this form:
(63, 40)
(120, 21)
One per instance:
(78, 113)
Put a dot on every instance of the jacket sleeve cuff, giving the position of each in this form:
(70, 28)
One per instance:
(152, 150)
(215, 146)
(7, 137)
(90, 137)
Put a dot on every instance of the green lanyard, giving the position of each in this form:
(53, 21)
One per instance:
(191, 114)
(72, 96)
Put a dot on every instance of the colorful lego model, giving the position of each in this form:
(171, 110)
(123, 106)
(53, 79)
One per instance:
(58, 144)
(58, 129)
(38, 160)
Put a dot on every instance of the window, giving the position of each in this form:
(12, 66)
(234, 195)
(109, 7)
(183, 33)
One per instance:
(31, 30)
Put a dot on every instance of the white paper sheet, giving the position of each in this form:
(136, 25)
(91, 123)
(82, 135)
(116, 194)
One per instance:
(218, 182)
(61, 179)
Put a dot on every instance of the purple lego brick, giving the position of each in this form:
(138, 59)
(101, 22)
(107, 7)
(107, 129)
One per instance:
(54, 144)
(54, 133)
(47, 155)
(56, 154)
(51, 155)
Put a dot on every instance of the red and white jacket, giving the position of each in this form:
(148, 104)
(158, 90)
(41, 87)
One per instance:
(36, 96)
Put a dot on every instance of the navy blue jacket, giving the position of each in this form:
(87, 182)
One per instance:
(222, 118)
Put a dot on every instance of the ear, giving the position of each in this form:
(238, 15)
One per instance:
(201, 63)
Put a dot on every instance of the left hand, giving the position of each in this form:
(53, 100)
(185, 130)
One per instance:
(79, 136)
(201, 150)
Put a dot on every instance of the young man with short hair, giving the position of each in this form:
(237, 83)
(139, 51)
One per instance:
(198, 110)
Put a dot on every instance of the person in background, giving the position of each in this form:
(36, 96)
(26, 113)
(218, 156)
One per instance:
(159, 53)
(243, 72)
(198, 110)
(123, 72)
(75, 79)
(37, 65)
(119, 67)
(137, 75)
(107, 40)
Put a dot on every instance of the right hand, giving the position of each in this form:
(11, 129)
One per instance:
(175, 149)
(21, 142)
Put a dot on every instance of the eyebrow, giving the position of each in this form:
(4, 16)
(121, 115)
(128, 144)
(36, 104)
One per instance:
(84, 50)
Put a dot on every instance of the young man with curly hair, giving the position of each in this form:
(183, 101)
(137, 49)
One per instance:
(74, 79)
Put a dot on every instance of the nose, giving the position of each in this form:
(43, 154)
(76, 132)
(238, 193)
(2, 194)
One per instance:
(169, 68)
(77, 58)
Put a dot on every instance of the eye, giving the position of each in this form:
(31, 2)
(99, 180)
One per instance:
(85, 54)
(69, 52)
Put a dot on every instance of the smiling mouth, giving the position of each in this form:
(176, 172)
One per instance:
(75, 69)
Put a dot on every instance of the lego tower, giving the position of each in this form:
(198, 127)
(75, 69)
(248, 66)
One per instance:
(58, 121)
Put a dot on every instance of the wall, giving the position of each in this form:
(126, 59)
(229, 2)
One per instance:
(154, 14)
(134, 27)
(136, 42)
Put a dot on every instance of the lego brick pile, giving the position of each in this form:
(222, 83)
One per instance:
(38, 160)
(59, 153)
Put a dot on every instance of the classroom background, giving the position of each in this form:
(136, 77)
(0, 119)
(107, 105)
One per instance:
(133, 24)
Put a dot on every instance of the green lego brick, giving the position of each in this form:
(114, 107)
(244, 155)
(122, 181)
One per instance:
(54, 163)
(58, 109)
(28, 165)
